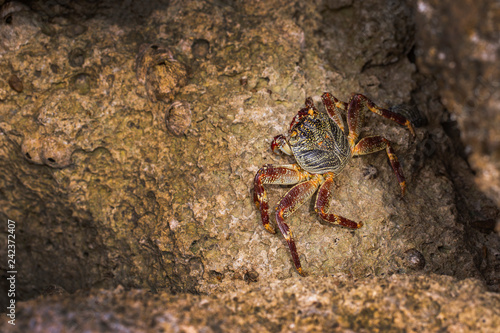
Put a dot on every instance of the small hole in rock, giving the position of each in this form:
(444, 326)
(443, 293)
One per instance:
(51, 160)
(154, 47)
(28, 156)
(8, 19)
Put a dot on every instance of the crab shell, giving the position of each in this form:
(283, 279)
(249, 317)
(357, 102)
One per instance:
(318, 144)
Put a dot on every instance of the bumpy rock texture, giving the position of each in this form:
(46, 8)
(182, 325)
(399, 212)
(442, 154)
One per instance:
(110, 187)
(397, 304)
(459, 43)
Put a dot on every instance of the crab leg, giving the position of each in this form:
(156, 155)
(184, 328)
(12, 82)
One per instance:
(373, 144)
(294, 198)
(323, 202)
(355, 116)
(274, 174)
(333, 107)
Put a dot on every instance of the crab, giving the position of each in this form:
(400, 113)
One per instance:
(322, 148)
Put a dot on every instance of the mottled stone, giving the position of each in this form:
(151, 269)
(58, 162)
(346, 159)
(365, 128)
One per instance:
(82, 83)
(164, 80)
(163, 75)
(76, 57)
(54, 152)
(75, 30)
(178, 117)
(461, 48)
(414, 259)
(18, 25)
(334, 304)
(137, 207)
(15, 83)
(150, 55)
(200, 48)
(370, 172)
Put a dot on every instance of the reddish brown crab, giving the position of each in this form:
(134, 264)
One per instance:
(322, 149)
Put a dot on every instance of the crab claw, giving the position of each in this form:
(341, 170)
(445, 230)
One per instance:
(279, 145)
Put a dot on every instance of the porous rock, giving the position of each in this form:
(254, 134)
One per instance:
(143, 209)
(461, 47)
(178, 117)
(18, 25)
(162, 74)
(50, 151)
(333, 304)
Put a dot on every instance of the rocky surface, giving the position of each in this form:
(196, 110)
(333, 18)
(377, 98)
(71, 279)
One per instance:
(461, 48)
(393, 304)
(130, 148)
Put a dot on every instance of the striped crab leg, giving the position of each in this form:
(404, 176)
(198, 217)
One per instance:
(290, 202)
(274, 174)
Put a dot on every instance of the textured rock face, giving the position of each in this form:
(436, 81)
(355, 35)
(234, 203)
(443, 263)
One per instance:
(17, 27)
(130, 151)
(459, 43)
(398, 303)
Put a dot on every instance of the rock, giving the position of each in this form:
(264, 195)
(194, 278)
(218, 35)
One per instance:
(173, 217)
(315, 304)
(82, 83)
(200, 48)
(50, 151)
(461, 48)
(76, 57)
(414, 259)
(15, 83)
(160, 71)
(178, 117)
(18, 25)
